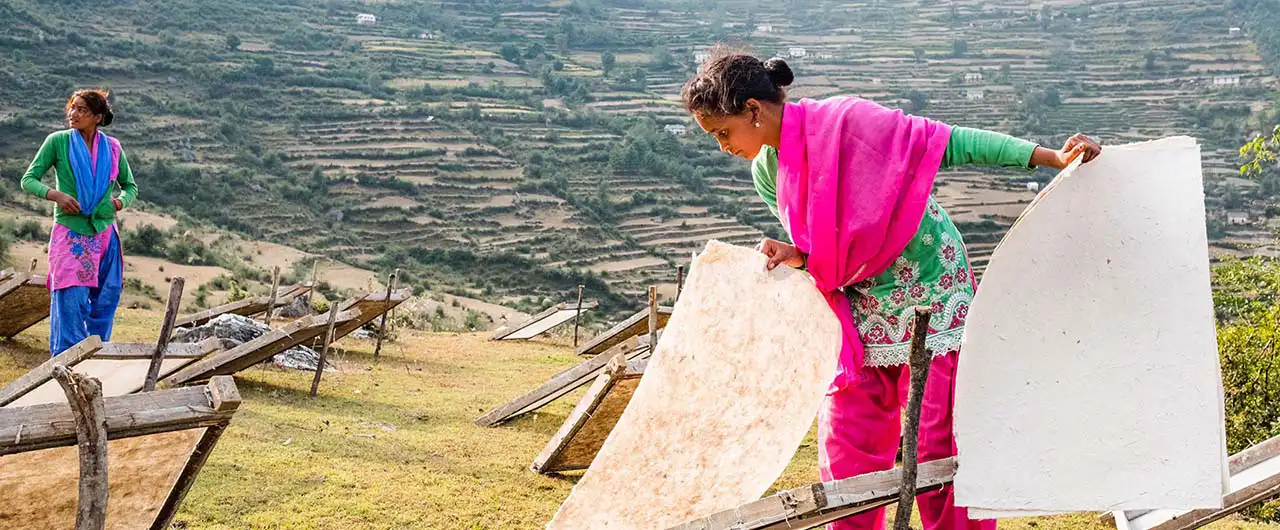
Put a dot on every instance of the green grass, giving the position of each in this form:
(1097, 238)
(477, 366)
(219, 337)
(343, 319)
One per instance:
(392, 445)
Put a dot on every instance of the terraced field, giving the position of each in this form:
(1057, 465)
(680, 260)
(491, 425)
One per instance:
(533, 130)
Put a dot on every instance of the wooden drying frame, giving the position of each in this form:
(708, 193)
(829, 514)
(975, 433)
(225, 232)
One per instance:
(564, 382)
(559, 454)
(637, 324)
(818, 504)
(255, 351)
(209, 407)
(11, 289)
(503, 333)
(245, 308)
(1240, 497)
(94, 348)
(369, 306)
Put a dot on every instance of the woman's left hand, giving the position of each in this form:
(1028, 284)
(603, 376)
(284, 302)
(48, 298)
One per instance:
(116, 202)
(1079, 145)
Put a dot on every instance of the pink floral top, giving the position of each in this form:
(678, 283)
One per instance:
(933, 270)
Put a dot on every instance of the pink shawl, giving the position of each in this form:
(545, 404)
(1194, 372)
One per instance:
(853, 182)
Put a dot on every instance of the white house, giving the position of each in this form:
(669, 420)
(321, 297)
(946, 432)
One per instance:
(1033, 186)
(1226, 80)
(764, 28)
(877, 81)
(677, 130)
(1234, 32)
(973, 77)
(1237, 218)
(797, 52)
(826, 55)
(976, 94)
(699, 57)
(366, 19)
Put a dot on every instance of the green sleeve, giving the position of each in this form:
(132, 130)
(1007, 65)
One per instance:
(977, 146)
(40, 165)
(128, 188)
(764, 172)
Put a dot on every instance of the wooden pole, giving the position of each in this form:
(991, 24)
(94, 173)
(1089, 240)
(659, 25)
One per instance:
(84, 394)
(679, 281)
(324, 351)
(653, 318)
(576, 318)
(271, 300)
(311, 292)
(382, 327)
(920, 357)
(166, 332)
(34, 262)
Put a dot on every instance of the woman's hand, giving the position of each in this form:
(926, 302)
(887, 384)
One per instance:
(65, 202)
(1078, 145)
(116, 202)
(780, 253)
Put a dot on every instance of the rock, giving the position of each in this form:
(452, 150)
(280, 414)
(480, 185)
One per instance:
(296, 309)
(234, 330)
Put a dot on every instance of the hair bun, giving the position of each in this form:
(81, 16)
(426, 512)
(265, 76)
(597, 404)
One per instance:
(779, 72)
(107, 118)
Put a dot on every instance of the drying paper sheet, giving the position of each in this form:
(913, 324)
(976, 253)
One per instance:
(1089, 376)
(730, 392)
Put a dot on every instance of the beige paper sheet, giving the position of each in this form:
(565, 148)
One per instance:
(1088, 378)
(727, 397)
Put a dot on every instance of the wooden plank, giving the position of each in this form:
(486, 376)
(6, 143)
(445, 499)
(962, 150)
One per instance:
(39, 427)
(164, 519)
(637, 324)
(255, 351)
(562, 383)
(24, 302)
(182, 350)
(818, 504)
(44, 373)
(504, 333)
(370, 306)
(575, 445)
(247, 307)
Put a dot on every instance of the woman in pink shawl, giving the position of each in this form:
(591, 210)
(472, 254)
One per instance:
(851, 182)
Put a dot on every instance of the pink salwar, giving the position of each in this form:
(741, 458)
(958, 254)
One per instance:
(859, 428)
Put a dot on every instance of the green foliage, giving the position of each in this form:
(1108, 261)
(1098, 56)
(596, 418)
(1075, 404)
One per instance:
(233, 43)
(1261, 154)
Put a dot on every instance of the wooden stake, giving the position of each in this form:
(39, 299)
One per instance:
(920, 357)
(271, 300)
(84, 394)
(382, 327)
(166, 332)
(324, 351)
(653, 317)
(311, 292)
(679, 281)
(34, 262)
(576, 318)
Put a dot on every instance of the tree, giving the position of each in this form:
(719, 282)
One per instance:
(233, 43)
(510, 52)
(606, 62)
(959, 47)
(920, 54)
(1262, 154)
(919, 100)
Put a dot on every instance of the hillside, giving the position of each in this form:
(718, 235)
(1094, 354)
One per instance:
(512, 150)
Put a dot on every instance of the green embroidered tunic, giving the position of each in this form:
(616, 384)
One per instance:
(934, 268)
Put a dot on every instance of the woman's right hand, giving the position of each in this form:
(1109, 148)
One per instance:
(780, 253)
(65, 202)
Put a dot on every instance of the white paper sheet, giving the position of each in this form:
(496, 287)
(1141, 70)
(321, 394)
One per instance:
(729, 394)
(1088, 377)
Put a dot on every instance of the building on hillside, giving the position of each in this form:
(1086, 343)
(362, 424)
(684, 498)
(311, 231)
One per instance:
(877, 81)
(1033, 186)
(678, 130)
(1226, 80)
(973, 77)
(1234, 32)
(700, 57)
(1237, 218)
(366, 19)
(764, 28)
(797, 52)
(975, 94)
(825, 55)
